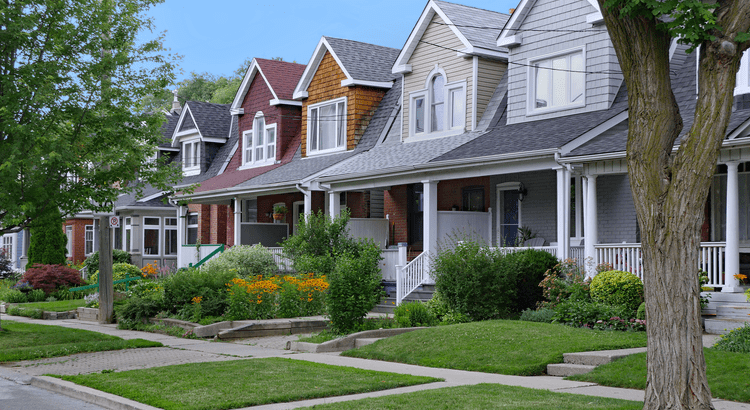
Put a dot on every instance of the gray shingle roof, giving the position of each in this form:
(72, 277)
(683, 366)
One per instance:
(167, 128)
(367, 62)
(213, 119)
(480, 27)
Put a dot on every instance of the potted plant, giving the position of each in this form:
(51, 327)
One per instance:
(279, 212)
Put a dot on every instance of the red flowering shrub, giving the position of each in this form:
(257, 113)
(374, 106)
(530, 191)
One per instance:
(51, 277)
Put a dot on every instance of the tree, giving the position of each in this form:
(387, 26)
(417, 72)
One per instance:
(47, 242)
(670, 188)
(72, 130)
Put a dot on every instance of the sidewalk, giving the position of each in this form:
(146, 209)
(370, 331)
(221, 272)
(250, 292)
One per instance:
(178, 351)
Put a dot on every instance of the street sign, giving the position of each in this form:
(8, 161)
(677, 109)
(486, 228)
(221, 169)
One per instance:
(114, 221)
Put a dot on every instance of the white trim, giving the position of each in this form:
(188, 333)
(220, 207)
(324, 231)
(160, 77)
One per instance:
(277, 101)
(236, 111)
(426, 94)
(150, 197)
(474, 91)
(531, 109)
(511, 41)
(228, 159)
(242, 91)
(144, 227)
(595, 18)
(335, 102)
(193, 169)
(500, 205)
(593, 133)
(165, 229)
(515, 20)
(472, 51)
(743, 75)
(377, 84)
(300, 91)
(402, 69)
(86, 229)
(741, 129)
(252, 134)
(177, 133)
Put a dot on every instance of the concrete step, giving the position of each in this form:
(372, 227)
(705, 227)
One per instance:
(726, 297)
(599, 358)
(723, 326)
(733, 311)
(365, 341)
(567, 369)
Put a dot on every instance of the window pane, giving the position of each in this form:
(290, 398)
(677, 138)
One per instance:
(170, 242)
(327, 127)
(437, 89)
(192, 219)
(248, 147)
(457, 108)
(419, 115)
(251, 210)
(192, 236)
(259, 126)
(151, 221)
(559, 81)
(313, 130)
(127, 240)
(341, 125)
(438, 105)
(437, 117)
(543, 81)
(150, 241)
(271, 152)
(577, 77)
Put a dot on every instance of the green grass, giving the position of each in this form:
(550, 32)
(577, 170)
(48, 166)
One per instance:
(484, 396)
(241, 383)
(727, 374)
(497, 346)
(23, 341)
(321, 337)
(56, 306)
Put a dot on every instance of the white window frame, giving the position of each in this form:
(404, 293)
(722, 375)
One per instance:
(127, 234)
(531, 108)
(191, 164)
(313, 107)
(249, 146)
(189, 226)
(743, 75)
(9, 247)
(168, 229)
(88, 229)
(158, 231)
(448, 100)
(69, 237)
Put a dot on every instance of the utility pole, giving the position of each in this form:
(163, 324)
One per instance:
(106, 287)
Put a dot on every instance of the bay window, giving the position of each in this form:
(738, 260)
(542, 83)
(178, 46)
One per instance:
(151, 228)
(326, 127)
(557, 82)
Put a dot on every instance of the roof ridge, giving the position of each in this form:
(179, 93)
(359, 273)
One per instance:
(471, 7)
(360, 42)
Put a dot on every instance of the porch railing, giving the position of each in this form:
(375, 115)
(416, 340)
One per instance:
(282, 262)
(410, 277)
(549, 249)
(628, 257)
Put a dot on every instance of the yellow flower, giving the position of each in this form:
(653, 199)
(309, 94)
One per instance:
(197, 299)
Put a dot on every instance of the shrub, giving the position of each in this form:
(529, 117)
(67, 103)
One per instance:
(354, 287)
(641, 312)
(543, 315)
(14, 296)
(51, 277)
(47, 240)
(587, 314)
(319, 242)
(184, 285)
(617, 288)
(437, 306)
(118, 256)
(737, 340)
(412, 314)
(527, 269)
(565, 281)
(137, 309)
(36, 295)
(245, 260)
(119, 271)
(6, 266)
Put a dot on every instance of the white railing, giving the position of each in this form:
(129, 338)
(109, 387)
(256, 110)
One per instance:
(388, 264)
(579, 254)
(369, 228)
(628, 257)
(194, 253)
(282, 262)
(552, 250)
(410, 277)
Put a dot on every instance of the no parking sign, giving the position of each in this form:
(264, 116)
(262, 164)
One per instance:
(114, 221)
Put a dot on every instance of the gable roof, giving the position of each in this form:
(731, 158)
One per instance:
(167, 129)
(362, 64)
(211, 121)
(280, 77)
(477, 29)
(510, 34)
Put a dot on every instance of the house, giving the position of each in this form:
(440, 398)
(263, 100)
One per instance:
(14, 247)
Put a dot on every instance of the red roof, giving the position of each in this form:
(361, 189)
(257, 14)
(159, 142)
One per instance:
(282, 76)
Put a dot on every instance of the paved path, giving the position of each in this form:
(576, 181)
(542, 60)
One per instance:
(180, 350)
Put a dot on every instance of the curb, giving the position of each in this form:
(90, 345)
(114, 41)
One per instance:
(347, 342)
(87, 394)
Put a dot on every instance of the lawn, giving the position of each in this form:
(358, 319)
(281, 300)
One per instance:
(495, 346)
(217, 385)
(56, 306)
(727, 374)
(23, 341)
(484, 396)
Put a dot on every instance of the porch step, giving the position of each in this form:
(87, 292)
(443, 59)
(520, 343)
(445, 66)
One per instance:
(388, 303)
(567, 369)
(733, 310)
(584, 362)
(722, 326)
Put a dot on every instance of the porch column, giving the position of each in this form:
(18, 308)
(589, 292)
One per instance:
(429, 208)
(181, 222)
(334, 204)
(579, 207)
(563, 213)
(732, 251)
(592, 228)
(237, 221)
(308, 201)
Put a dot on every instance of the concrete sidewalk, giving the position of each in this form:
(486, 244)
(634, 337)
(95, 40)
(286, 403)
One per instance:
(180, 350)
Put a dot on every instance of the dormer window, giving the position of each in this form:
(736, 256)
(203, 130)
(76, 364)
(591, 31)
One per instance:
(326, 127)
(557, 82)
(259, 143)
(191, 154)
(743, 76)
(439, 109)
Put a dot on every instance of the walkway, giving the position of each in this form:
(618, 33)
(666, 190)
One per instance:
(180, 350)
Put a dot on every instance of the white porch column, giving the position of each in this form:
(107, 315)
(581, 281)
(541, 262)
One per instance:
(732, 251)
(308, 202)
(579, 207)
(334, 204)
(563, 213)
(592, 228)
(181, 222)
(429, 207)
(237, 221)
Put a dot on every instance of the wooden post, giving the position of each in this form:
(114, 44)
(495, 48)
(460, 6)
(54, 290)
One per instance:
(106, 288)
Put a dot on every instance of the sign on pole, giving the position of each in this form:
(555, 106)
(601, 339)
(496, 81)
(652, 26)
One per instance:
(114, 221)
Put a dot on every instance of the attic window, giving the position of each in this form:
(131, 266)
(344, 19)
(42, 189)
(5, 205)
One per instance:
(259, 143)
(438, 110)
(557, 82)
(743, 76)
(191, 154)
(326, 127)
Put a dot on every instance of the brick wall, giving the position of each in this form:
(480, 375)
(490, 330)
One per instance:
(450, 192)
(394, 203)
(358, 204)
(78, 250)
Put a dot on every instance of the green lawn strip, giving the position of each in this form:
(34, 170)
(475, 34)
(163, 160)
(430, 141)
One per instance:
(727, 374)
(484, 396)
(496, 346)
(24, 341)
(241, 383)
(56, 306)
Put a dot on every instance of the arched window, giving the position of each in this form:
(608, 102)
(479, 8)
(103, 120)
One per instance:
(440, 108)
(437, 97)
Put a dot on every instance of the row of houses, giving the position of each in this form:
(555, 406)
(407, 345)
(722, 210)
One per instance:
(483, 123)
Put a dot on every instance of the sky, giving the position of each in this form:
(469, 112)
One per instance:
(217, 36)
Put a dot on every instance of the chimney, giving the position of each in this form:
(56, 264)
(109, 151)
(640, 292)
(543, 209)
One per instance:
(176, 104)
(512, 11)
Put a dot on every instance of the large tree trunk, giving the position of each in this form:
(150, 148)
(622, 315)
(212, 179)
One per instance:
(670, 191)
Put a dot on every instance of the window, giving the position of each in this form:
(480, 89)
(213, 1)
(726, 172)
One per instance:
(7, 248)
(151, 228)
(440, 109)
(259, 143)
(743, 76)
(69, 243)
(192, 229)
(170, 236)
(415, 213)
(89, 239)
(128, 233)
(250, 213)
(473, 199)
(191, 154)
(326, 127)
(557, 82)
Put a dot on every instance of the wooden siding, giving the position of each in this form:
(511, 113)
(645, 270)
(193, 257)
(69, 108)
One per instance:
(424, 59)
(600, 55)
(361, 101)
(489, 73)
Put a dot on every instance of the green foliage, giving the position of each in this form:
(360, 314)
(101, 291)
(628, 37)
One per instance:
(527, 269)
(184, 285)
(413, 314)
(137, 309)
(354, 287)
(597, 316)
(119, 271)
(6, 266)
(319, 242)
(13, 296)
(617, 288)
(36, 295)
(437, 306)
(47, 243)
(542, 315)
(702, 281)
(737, 340)
(118, 256)
(50, 278)
(245, 261)
(32, 313)
(641, 312)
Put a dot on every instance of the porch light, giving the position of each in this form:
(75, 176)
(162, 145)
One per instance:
(521, 192)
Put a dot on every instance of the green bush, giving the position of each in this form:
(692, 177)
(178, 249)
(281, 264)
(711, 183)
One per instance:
(437, 306)
(617, 288)
(245, 260)
(738, 340)
(412, 314)
(641, 313)
(119, 271)
(543, 315)
(184, 285)
(14, 296)
(36, 295)
(587, 314)
(354, 287)
(32, 313)
(527, 269)
(47, 240)
(118, 256)
(319, 242)
(137, 309)
(565, 281)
